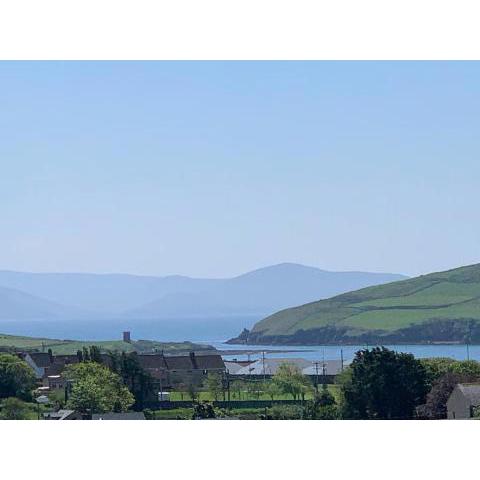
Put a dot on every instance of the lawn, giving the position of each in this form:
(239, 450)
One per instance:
(245, 395)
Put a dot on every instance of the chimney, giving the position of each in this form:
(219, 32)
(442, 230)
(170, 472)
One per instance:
(126, 337)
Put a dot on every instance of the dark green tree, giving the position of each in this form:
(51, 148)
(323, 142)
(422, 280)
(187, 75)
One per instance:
(435, 406)
(138, 381)
(14, 409)
(383, 385)
(94, 353)
(85, 354)
(16, 377)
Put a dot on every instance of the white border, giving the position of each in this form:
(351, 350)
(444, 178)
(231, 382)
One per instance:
(238, 449)
(247, 29)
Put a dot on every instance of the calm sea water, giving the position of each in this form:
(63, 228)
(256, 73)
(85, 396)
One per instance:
(213, 332)
(334, 352)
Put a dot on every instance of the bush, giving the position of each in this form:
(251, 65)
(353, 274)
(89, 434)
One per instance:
(286, 412)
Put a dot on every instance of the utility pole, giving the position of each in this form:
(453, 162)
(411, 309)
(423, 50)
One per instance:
(316, 375)
(341, 358)
(263, 364)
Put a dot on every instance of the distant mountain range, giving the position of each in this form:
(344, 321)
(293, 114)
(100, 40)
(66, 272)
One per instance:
(257, 293)
(439, 307)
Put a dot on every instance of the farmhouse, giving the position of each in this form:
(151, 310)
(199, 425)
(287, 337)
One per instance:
(463, 400)
(166, 370)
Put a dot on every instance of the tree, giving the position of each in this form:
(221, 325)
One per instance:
(14, 409)
(192, 386)
(255, 388)
(96, 389)
(16, 377)
(290, 380)
(215, 385)
(383, 385)
(435, 406)
(322, 407)
(95, 355)
(236, 387)
(437, 367)
(139, 382)
(271, 389)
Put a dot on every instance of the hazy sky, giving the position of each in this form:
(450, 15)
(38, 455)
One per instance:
(213, 169)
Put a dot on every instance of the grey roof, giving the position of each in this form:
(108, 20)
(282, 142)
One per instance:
(207, 362)
(60, 415)
(233, 367)
(471, 391)
(271, 366)
(119, 416)
(332, 367)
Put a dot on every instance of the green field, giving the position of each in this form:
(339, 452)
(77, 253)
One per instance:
(453, 296)
(247, 395)
(63, 347)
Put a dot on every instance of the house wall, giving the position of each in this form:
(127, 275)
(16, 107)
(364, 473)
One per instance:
(458, 407)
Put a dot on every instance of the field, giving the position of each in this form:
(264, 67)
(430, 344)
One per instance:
(245, 395)
(61, 347)
(446, 296)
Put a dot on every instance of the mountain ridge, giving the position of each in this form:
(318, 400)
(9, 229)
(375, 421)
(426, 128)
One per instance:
(440, 306)
(258, 292)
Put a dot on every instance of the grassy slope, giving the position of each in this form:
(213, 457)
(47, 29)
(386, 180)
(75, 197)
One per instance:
(71, 346)
(454, 294)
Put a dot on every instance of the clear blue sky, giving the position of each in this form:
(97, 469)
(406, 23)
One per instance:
(213, 169)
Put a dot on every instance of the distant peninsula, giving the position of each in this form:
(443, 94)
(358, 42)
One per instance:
(441, 307)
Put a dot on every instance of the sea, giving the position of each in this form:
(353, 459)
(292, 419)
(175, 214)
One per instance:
(213, 332)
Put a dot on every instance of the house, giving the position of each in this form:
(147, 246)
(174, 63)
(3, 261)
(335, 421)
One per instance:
(233, 367)
(325, 371)
(119, 416)
(166, 370)
(38, 362)
(269, 366)
(169, 370)
(63, 415)
(463, 400)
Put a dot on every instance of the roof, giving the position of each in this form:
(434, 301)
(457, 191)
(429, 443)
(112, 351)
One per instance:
(207, 362)
(60, 415)
(471, 391)
(119, 416)
(181, 362)
(152, 361)
(233, 367)
(332, 367)
(271, 366)
(41, 359)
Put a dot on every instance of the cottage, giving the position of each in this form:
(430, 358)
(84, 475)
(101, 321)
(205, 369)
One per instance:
(463, 400)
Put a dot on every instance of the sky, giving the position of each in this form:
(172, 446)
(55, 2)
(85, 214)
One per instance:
(212, 169)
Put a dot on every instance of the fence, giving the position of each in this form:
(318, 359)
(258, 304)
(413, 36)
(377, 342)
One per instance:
(168, 405)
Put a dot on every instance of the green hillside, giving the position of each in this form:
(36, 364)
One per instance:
(439, 307)
(64, 347)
